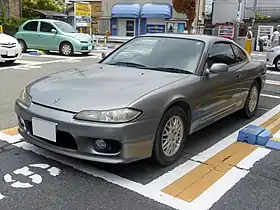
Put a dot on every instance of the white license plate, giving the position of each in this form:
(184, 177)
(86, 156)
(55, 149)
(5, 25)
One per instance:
(11, 53)
(90, 47)
(44, 129)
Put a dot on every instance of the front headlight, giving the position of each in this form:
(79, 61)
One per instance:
(25, 98)
(110, 116)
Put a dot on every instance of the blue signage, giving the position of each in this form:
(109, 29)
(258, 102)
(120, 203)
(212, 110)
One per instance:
(155, 28)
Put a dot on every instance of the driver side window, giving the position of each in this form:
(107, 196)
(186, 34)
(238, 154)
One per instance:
(221, 53)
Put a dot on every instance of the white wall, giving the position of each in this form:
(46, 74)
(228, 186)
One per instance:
(226, 10)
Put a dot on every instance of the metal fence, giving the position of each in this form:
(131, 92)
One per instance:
(263, 13)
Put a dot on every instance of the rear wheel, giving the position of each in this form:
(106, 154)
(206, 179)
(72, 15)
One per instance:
(277, 63)
(252, 101)
(170, 137)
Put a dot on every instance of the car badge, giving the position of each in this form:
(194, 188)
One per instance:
(56, 100)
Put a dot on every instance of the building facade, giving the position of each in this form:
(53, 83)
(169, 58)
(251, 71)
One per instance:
(135, 17)
(226, 10)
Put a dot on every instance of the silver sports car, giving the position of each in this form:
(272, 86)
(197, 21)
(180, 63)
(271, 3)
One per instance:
(142, 100)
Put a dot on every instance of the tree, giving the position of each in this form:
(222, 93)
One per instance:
(28, 5)
(187, 7)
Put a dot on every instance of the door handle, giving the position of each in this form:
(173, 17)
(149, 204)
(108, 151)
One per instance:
(238, 75)
(40, 35)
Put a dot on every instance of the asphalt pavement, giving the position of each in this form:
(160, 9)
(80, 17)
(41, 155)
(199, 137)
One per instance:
(33, 178)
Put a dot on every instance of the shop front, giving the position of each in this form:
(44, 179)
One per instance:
(153, 18)
(125, 19)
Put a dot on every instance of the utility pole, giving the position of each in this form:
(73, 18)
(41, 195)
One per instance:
(238, 18)
(254, 12)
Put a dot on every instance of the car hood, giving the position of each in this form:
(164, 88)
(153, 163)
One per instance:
(98, 87)
(80, 36)
(4, 38)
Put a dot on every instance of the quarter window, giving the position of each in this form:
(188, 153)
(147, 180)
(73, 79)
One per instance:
(31, 26)
(239, 54)
(46, 27)
(221, 53)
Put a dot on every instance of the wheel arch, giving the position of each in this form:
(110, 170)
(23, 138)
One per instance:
(182, 103)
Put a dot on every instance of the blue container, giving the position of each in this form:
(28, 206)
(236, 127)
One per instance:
(273, 144)
(249, 134)
(263, 137)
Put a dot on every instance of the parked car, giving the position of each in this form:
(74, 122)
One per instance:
(53, 35)
(139, 104)
(273, 57)
(10, 49)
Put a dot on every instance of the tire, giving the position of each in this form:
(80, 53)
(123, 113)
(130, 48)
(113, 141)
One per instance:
(160, 157)
(247, 111)
(23, 45)
(277, 63)
(66, 49)
(10, 62)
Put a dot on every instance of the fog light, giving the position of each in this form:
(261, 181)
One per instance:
(100, 144)
(22, 123)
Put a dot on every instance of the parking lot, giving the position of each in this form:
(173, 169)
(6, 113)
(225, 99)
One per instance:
(215, 172)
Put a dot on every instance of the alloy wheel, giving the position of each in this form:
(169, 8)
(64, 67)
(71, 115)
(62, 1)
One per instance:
(172, 136)
(253, 99)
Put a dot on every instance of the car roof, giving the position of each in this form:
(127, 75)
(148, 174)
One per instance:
(205, 38)
(46, 20)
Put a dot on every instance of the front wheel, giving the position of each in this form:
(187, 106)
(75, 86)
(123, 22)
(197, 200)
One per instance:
(252, 101)
(170, 137)
(277, 63)
(66, 49)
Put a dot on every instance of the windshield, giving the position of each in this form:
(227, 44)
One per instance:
(65, 27)
(159, 53)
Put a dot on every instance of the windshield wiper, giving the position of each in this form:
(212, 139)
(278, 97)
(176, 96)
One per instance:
(129, 64)
(172, 70)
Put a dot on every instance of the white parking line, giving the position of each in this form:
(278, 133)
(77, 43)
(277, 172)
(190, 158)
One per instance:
(273, 72)
(270, 96)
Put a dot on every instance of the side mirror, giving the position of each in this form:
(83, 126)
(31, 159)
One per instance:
(103, 55)
(53, 31)
(218, 68)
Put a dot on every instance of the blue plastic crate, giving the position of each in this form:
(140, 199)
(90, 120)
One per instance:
(249, 134)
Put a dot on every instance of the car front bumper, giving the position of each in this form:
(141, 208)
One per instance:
(8, 54)
(270, 56)
(135, 138)
(84, 47)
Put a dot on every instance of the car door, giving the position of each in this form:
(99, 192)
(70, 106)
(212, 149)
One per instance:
(48, 39)
(219, 89)
(29, 34)
(244, 79)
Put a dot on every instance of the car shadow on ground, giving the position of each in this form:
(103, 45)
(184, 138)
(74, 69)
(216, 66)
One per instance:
(144, 171)
(3, 64)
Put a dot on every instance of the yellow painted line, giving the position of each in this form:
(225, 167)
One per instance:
(272, 82)
(191, 185)
(275, 126)
(194, 183)
(11, 131)
(276, 139)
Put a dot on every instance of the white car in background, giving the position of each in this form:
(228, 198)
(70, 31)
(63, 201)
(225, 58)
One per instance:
(273, 57)
(10, 49)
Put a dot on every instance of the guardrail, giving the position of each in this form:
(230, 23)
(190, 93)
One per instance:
(112, 39)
